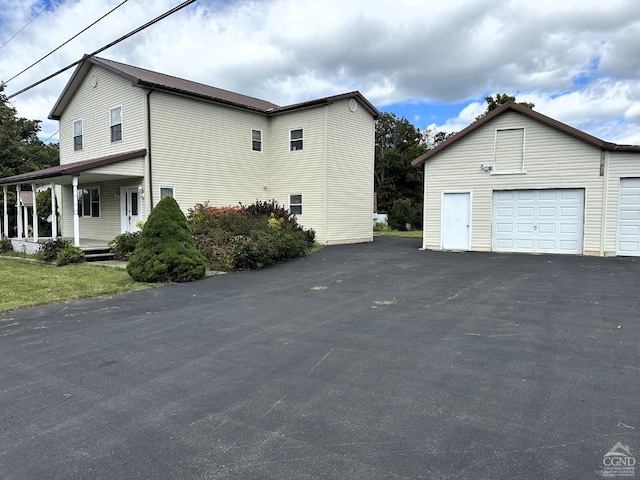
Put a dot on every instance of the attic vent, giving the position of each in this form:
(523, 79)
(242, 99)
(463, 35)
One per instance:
(353, 105)
(94, 80)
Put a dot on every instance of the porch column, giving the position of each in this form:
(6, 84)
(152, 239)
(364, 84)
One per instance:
(19, 213)
(76, 219)
(54, 215)
(35, 213)
(6, 213)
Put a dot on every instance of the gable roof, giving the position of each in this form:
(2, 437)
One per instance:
(72, 168)
(141, 77)
(516, 107)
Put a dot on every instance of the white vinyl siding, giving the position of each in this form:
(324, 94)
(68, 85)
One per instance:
(553, 160)
(349, 174)
(209, 163)
(93, 105)
(303, 171)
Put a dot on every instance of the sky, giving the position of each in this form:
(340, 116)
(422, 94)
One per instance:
(432, 62)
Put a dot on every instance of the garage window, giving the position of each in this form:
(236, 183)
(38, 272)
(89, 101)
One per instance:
(508, 151)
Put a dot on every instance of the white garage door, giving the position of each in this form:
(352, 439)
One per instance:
(629, 217)
(538, 221)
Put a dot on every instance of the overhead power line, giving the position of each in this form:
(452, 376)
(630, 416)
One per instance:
(124, 37)
(27, 24)
(60, 46)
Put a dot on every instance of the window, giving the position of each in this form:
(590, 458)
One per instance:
(167, 192)
(295, 140)
(508, 153)
(256, 140)
(116, 124)
(295, 204)
(77, 135)
(89, 202)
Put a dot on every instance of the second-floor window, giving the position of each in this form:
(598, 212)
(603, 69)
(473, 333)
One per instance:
(116, 124)
(295, 140)
(77, 135)
(256, 140)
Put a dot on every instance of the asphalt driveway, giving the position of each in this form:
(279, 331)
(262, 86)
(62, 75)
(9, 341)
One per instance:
(373, 361)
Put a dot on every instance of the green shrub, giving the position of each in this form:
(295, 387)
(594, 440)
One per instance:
(166, 250)
(50, 249)
(5, 245)
(69, 254)
(124, 244)
(381, 227)
(403, 213)
(249, 236)
(310, 236)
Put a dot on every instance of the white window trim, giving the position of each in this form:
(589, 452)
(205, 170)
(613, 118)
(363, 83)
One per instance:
(297, 139)
(73, 133)
(90, 188)
(121, 124)
(522, 171)
(173, 191)
(261, 140)
(301, 204)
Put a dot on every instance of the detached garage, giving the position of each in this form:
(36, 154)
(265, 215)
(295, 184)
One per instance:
(519, 181)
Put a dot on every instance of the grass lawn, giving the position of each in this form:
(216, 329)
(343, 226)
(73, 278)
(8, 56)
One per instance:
(26, 283)
(398, 233)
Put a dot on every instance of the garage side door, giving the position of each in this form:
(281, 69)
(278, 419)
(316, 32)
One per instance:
(538, 221)
(629, 217)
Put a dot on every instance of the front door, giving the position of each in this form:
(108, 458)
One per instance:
(130, 208)
(456, 216)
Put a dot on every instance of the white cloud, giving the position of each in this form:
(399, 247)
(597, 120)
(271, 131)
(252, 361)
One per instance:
(576, 60)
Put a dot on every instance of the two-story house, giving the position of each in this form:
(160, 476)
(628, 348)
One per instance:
(130, 136)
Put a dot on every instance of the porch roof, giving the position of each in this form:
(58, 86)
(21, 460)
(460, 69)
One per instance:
(63, 173)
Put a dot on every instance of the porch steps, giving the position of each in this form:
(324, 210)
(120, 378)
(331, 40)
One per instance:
(97, 254)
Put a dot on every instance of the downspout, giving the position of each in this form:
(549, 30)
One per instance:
(150, 169)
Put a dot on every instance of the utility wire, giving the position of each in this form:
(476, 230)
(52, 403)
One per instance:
(27, 24)
(124, 37)
(45, 141)
(60, 46)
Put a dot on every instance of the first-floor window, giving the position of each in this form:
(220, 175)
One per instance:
(295, 203)
(166, 191)
(89, 202)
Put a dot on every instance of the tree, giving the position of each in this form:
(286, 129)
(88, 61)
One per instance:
(432, 138)
(166, 251)
(21, 150)
(501, 99)
(398, 143)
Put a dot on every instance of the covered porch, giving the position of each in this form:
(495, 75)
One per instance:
(96, 199)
